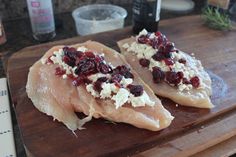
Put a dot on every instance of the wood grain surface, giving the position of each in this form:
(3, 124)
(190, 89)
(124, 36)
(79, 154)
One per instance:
(45, 138)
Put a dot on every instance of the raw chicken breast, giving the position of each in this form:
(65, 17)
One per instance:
(196, 97)
(57, 97)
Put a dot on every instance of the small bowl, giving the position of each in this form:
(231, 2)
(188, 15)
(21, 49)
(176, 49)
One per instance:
(96, 18)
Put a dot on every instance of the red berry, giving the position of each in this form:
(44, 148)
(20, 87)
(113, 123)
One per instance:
(60, 71)
(90, 54)
(104, 68)
(158, 33)
(97, 86)
(69, 61)
(168, 61)
(144, 62)
(195, 81)
(186, 81)
(116, 78)
(173, 77)
(143, 39)
(157, 74)
(136, 90)
(158, 56)
(49, 60)
(182, 61)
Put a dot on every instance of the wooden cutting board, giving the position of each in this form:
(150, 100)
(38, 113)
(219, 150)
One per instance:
(45, 138)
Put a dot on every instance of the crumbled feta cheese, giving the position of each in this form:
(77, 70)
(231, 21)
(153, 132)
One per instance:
(82, 49)
(143, 32)
(141, 100)
(126, 81)
(183, 87)
(176, 55)
(94, 77)
(161, 65)
(107, 89)
(142, 50)
(90, 89)
(121, 97)
(152, 35)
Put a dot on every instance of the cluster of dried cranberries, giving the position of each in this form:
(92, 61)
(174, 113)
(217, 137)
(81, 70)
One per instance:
(164, 52)
(88, 63)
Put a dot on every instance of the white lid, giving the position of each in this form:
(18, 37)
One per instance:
(177, 5)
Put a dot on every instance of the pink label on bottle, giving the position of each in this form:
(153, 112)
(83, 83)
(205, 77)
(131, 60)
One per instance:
(35, 4)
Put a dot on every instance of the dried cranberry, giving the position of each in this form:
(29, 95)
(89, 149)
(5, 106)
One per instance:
(123, 70)
(90, 54)
(182, 61)
(71, 76)
(168, 61)
(186, 81)
(69, 61)
(86, 66)
(155, 43)
(79, 54)
(144, 62)
(195, 81)
(98, 59)
(97, 86)
(136, 90)
(59, 71)
(87, 81)
(158, 33)
(169, 47)
(71, 52)
(116, 78)
(49, 60)
(157, 74)
(102, 79)
(104, 68)
(158, 56)
(143, 39)
(162, 39)
(162, 50)
(173, 77)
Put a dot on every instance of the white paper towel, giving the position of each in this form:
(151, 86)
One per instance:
(7, 145)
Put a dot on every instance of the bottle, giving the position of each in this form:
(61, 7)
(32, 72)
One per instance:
(146, 14)
(42, 19)
(2, 33)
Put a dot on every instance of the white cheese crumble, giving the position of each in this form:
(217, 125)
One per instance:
(90, 89)
(126, 81)
(143, 32)
(94, 77)
(121, 97)
(82, 49)
(141, 100)
(108, 89)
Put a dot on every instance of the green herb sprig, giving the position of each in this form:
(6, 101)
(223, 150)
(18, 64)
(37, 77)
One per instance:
(216, 20)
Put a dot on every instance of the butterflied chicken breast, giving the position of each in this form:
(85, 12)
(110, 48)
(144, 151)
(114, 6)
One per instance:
(169, 72)
(93, 79)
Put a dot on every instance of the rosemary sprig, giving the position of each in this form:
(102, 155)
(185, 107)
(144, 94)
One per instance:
(216, 20)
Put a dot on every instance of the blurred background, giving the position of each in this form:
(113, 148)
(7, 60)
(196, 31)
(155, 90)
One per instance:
(16, 22)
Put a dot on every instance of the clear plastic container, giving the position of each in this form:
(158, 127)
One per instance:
(98, 18)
